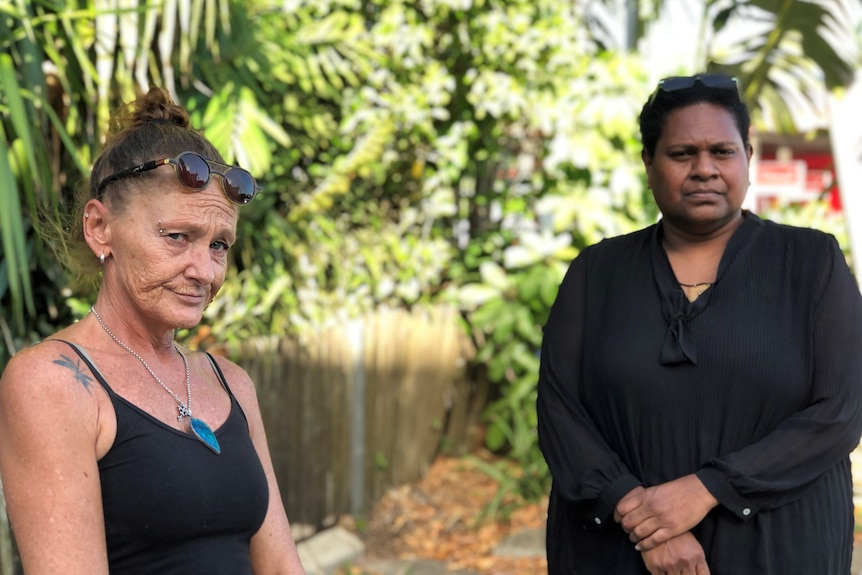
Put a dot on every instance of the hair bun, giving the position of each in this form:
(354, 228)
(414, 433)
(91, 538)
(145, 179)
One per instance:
(154, 107)
(157, 106)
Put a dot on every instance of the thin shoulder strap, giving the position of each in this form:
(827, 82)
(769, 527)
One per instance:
(95, 370)
(223, 380)
(219, 373)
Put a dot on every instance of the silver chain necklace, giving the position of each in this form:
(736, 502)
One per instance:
(199, 428)
(184, 409)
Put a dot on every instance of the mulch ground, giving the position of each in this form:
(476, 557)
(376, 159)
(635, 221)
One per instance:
(443, 517)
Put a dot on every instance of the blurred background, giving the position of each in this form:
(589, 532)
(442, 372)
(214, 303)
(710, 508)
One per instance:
(430, 168)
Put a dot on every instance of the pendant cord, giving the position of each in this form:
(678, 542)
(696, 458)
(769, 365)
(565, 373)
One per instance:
(184, 409)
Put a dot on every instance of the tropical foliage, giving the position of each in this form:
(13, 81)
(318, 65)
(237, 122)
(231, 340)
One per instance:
(782, 51)
(63, 68)
(797, 45)
(412, 153)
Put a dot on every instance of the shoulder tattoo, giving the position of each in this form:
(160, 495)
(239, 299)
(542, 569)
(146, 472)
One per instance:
(80, 376)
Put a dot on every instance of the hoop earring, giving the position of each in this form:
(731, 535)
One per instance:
(102, 258)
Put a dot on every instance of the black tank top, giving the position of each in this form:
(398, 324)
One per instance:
(173, 506)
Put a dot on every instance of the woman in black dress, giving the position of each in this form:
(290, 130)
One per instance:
(701, 379)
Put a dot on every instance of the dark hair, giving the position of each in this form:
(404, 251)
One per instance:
(149, 128)
(662, 103)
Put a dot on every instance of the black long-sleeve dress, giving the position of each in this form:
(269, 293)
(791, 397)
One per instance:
(756, 387)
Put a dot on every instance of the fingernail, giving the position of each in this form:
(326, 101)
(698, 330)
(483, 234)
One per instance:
(637, 547)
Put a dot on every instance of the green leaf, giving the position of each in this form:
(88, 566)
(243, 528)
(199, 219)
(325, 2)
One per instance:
(12, 234)
(495, 438)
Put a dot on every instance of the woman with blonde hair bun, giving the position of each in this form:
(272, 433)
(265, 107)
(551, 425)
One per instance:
(121, 451)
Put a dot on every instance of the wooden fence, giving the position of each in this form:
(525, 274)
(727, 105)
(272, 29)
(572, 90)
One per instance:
(363, 406)
(355, 409)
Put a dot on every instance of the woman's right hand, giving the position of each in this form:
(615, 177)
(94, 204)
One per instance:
(682, 555)
(659, 513)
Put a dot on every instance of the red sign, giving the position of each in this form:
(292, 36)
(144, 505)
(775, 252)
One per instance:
(774, 174)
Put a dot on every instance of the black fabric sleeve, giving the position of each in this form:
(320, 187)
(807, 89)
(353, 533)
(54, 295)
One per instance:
(807, 444)
(583, 467)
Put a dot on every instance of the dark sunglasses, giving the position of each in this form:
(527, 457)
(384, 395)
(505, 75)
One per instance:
(193, 171)
(676, 83)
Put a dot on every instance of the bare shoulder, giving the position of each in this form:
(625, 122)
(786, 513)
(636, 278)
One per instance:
(238, 379)
(49, 411)
(52, 376)
(50, 366)
(48, 459)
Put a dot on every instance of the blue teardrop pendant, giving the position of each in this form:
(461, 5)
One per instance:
(206, 436)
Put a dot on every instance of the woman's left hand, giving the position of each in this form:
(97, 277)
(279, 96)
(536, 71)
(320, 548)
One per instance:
(657, 514)
(682, 555)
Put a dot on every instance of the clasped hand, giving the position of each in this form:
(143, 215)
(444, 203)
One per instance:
(654, 515)
(682, 555)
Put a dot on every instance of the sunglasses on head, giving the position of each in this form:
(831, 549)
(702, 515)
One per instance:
(193, 171)
(676, 83)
